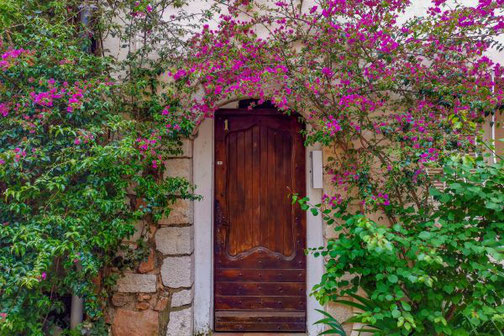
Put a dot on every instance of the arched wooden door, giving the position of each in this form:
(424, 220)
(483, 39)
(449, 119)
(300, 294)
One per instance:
(260, 265)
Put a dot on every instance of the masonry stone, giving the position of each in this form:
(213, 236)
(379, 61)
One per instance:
(161, 303)
(139, 227)
(148, 264)
(142, 305)
(174, 240)
(182, 298)
(131, 323)
(178, 168)
(177, 272)
(181, 213)
(137, 283)
(120, 299)
(180, 323)
(143, 297)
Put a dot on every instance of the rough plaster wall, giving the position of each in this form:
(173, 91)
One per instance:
(338, 311)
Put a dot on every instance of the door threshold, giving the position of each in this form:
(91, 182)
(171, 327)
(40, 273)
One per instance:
(232, 333)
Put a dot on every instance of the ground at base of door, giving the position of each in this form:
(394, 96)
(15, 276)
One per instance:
(257, 334)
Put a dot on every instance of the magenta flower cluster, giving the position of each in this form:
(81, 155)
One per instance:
(394, 96)
(141, 9)
(10, 57)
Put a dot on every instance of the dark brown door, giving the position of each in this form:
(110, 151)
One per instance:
(260, 266)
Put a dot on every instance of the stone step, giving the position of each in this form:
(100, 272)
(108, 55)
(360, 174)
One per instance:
(258, 334)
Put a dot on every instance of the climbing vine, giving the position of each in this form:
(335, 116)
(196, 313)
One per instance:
(81, 156)
(394, 99)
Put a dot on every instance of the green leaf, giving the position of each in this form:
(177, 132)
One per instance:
(424, 235)
(393, 278)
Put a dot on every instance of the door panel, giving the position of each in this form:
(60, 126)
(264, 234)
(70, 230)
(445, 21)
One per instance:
(263, 275)
(260, 302)
(260, 288)
(260, 266)
(259, 200)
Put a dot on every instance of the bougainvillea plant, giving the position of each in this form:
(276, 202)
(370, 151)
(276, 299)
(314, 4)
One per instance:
(393, 98)
(76, 171)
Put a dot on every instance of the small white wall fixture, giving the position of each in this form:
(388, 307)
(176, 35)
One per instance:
(317, 170)
(203, 178)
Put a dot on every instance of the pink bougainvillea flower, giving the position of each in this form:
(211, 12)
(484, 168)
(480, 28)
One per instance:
(8, 58)
(4, 111)
(179, 74)
(333, 125)
(327, 71)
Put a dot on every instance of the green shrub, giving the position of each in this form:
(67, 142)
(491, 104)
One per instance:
(429, 274)
(69, 161)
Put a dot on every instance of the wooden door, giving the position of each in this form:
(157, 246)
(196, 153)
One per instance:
(260, 265)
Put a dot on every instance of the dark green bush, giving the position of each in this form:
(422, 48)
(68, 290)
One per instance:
(69, 160)
(429, 274)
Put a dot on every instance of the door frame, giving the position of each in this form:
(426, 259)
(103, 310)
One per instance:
(203, 178)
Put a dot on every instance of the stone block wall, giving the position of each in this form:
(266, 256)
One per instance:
(157, 297)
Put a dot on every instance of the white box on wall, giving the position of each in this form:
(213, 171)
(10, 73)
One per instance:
(317, 169)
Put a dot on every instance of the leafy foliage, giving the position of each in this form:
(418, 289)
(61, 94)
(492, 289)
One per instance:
(334, 327)
(75, 170)
(439, 274)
